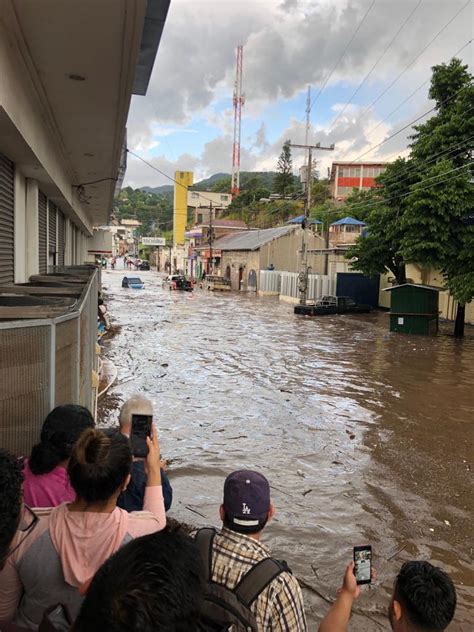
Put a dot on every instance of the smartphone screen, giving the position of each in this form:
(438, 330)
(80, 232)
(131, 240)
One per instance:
(141, 429)
(363, 564)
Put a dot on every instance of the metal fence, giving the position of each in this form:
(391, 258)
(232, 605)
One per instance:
(270, 281)
(318, 285)
(45, 363)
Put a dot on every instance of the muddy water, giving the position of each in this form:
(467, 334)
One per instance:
(365, 436)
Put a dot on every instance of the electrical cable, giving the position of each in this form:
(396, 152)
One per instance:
(167, 176)
(342, 56)
(413, 93)
(400, 74)
(364, 206)
(433, 158)
(84, 184)
(375, 65)
(418, 118)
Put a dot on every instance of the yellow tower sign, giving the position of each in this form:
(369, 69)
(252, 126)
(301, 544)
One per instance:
(180, 214)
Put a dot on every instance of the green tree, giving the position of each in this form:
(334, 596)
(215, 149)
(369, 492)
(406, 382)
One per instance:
(284, 179)
(382, 209)
(436, 224)
(421, 213)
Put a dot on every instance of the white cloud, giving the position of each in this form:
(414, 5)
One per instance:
(287, 44)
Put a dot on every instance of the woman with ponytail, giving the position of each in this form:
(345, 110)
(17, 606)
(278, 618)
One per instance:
(46, 479)
(57, 561)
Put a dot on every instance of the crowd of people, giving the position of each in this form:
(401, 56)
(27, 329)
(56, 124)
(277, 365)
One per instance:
(85, 546)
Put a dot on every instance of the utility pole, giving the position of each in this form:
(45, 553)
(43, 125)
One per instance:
(306, 136)
(211, 267)
(239, 100)
(303, 275)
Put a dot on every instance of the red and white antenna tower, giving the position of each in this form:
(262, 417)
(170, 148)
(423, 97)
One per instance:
(239, 100)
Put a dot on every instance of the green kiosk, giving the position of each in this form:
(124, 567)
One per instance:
(414, 308)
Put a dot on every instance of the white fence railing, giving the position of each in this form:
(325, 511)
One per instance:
(270, 281)
(318, 285)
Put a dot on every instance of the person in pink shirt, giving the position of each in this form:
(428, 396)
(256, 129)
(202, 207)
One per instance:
(55, 558)
(46, 479)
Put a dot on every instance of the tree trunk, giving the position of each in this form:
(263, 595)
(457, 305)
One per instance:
(459, 323)
(400, 274)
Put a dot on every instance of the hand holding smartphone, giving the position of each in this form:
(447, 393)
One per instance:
(141, 429)
(363, 564)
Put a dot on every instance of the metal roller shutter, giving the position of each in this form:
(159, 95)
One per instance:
(7, 218)
(61, 237)
(52, 221)
(43, 233)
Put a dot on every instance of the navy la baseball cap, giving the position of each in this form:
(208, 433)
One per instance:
(246, 498)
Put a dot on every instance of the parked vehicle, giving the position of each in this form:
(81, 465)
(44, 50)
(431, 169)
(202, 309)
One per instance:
(145, 265)
(135, 283)
(332, 305)
(177, 282)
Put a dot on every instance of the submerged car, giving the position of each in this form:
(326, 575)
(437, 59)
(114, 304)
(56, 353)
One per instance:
(135, 283)
(332, 305)
(145, 265)
(177, 282)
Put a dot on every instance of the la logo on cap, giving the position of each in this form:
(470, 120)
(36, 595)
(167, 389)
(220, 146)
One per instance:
(245, 509)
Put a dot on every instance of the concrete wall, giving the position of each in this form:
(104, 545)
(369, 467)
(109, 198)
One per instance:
(284, 252)
(236, 259)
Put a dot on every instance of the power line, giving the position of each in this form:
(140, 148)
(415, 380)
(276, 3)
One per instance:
(166, 175)
(375, 65)
(413, 93)
(342, 55)
(400, 74)
(418, 118)
(433, 158)
(363, 206)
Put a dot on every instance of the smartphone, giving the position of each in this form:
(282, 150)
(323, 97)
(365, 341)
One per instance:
(363, 564)
(141, 429)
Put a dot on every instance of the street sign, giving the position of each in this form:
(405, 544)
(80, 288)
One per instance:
(206, 254)
(153, 241)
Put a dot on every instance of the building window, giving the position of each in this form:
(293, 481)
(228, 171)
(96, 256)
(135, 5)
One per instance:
(199, 218)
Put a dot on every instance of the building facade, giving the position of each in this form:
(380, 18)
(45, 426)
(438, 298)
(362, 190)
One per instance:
(244, 255)
(63, 108)
(199, 204)
(347, 176)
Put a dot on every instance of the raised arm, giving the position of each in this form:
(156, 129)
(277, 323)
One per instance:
(337, 618)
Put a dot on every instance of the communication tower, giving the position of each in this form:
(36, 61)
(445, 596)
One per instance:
(239, 100)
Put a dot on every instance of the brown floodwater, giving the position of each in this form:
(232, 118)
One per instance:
(366, 436)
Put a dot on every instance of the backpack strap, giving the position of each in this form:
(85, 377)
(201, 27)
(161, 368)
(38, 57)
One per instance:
(258, 578)
(204, 540)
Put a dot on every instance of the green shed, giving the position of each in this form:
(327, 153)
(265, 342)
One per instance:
(414, 308)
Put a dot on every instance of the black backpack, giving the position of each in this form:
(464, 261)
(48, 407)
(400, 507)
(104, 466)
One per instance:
(226, 609)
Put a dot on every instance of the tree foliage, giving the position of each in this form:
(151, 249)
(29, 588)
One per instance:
(154, 211)
(421, 213)
(284, 180)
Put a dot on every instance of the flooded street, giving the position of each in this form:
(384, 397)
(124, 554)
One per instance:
(365, 436)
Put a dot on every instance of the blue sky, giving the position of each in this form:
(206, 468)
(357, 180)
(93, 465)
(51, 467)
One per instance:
(186, 119)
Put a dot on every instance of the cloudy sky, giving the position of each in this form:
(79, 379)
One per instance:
(367, 61)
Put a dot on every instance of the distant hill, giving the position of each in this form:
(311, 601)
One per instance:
(265, 179)
(165, 188)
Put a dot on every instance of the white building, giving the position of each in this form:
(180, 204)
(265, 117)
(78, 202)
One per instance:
(67, 75)
(199, 202)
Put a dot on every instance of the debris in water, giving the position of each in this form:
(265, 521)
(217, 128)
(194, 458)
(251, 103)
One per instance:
(336, 463)
(165, 365)
(285, 390)
(308, 491)
(300, 473)
(432, 530)
(352, 436)
(447, 523)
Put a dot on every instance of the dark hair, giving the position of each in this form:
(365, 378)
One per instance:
(427, 595)
(61, 429)
(99, 465)
(245, 530)
(10, 500)
(154, 583)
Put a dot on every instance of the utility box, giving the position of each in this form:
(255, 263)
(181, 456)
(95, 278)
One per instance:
(414, 308)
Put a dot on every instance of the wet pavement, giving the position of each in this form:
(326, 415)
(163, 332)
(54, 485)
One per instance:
(365, 436)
